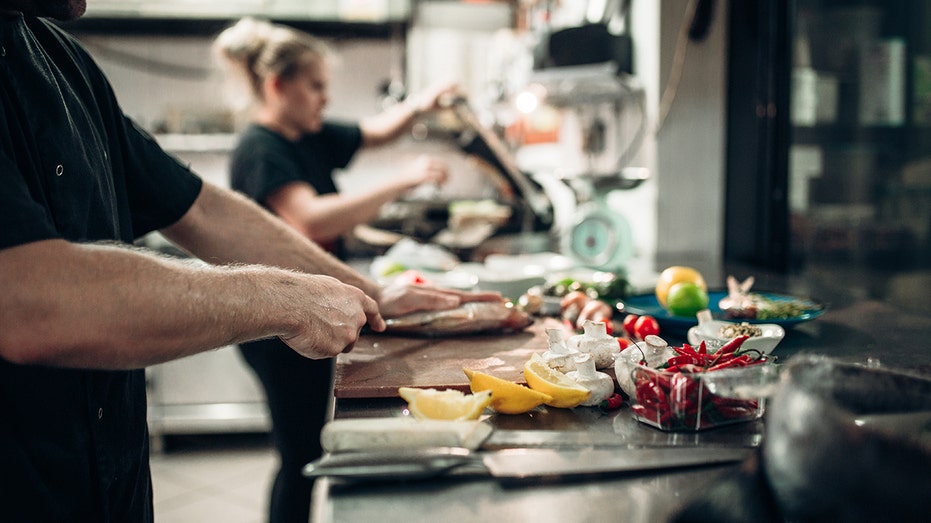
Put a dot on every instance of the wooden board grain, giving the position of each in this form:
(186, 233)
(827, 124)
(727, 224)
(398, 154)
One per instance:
(380, 364)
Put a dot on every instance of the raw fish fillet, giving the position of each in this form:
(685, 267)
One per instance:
(468, 318)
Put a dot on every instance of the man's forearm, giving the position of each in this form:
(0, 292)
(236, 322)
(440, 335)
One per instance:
(104, 306)
(225, 227)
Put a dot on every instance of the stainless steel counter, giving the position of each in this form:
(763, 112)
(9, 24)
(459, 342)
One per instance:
(862, 323)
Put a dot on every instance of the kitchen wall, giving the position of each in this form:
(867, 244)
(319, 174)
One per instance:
(691, 143)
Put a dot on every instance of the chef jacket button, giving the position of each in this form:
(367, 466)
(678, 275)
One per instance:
(59, 170)
(100, 413)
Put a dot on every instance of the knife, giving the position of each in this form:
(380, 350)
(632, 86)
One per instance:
(516, 464)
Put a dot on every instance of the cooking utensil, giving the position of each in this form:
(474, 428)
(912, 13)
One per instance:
(516, 464)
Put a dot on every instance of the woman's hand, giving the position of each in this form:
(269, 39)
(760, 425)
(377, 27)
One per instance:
(427, 170)
(437, 96)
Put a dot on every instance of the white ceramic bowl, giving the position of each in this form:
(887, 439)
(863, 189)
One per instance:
(710, 333)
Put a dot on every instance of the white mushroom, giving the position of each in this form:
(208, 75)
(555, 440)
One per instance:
(559, 356)
(596, 341)
(601, 384)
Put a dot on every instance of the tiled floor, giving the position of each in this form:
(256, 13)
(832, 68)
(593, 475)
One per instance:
(203, 479)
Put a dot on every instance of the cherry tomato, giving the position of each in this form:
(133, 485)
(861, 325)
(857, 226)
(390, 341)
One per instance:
(629, 322)
(645, 326)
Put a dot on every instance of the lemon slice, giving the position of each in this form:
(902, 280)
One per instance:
(445, 404)
(565, 391)
(506, 397)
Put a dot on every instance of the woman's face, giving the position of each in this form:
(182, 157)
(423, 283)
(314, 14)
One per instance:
(304, 96)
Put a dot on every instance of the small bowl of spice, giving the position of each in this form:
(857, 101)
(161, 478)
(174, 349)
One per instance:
(762, 336)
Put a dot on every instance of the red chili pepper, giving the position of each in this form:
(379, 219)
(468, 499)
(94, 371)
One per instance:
(649, 393)
(691, 368)
(729, 348)
(685, 350)
(739, 361)
(663, 418)
(702, 348)
(686, 359)
(615, 402)
(733, 344)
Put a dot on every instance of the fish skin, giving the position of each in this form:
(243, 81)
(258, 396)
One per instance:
(468, 318)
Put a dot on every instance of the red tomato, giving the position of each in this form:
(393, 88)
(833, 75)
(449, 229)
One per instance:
(629, 322)
(645, 326)
(623, 342)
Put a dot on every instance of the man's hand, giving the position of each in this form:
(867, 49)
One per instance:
(329, 317)
(403, 298)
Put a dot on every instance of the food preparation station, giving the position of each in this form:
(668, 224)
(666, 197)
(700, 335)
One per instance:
(368, 377)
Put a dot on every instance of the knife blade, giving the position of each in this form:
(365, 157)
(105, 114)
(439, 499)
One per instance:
(516, 464)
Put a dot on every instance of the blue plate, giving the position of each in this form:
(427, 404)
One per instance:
(647, 304)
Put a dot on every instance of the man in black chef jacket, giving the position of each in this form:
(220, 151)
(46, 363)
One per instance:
(81, 314)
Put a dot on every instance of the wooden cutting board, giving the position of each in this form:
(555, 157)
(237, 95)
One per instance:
(380, 364)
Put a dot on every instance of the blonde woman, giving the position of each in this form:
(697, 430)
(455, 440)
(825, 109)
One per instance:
(285, 161)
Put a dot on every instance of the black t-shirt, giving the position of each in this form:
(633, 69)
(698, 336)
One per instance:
(73, 443)
(264, 161)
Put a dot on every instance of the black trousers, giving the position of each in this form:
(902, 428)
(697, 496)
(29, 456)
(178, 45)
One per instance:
(298, 391)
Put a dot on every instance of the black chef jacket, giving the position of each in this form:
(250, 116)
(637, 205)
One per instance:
(73, 443)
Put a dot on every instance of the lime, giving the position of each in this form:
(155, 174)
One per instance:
(686, 299)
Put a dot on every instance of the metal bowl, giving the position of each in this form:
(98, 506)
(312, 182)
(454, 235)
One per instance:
(849, 442)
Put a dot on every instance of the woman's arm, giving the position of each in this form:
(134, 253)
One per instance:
(325, 217)
(388, 125)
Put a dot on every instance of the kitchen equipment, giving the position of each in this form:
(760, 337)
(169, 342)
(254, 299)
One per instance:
(517, 464)
(827, 454)
(592, 158)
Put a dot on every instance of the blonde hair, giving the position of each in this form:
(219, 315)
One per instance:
(258, 49)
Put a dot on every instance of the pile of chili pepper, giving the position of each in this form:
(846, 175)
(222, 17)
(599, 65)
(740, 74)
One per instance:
(675, 397)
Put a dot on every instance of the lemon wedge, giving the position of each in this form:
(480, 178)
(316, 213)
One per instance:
(565, 391)
(506, 397)
(445, 404)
